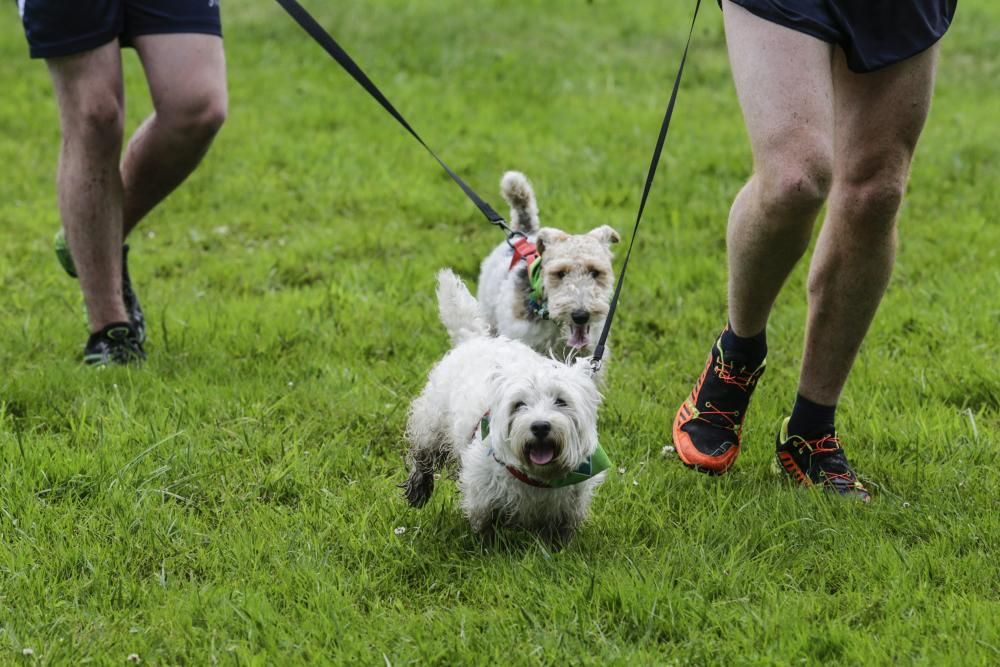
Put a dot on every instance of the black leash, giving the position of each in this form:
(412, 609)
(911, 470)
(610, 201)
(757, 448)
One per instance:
(330, 45)
(595, 360)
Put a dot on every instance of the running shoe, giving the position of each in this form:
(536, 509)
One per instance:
(820, 462)
(117, 343)
(709, 424)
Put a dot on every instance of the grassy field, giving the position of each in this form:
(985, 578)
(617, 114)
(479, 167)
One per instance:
(234, 500)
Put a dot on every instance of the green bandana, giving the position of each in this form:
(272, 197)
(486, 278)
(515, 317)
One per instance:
(595, 464)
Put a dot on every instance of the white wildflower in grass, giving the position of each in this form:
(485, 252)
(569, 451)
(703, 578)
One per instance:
(134, 658)
(399, 530)
(668, 450)
(621, 470)
(27, 651)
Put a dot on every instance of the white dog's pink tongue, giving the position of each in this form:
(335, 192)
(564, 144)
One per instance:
(542, 453)
(578, 336)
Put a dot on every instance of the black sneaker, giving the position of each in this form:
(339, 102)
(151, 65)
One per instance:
(709, 424)
(117, 343)
(820, 461)
(132, 307)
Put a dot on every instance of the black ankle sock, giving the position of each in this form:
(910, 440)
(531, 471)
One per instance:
(811, 419)
(753, 349)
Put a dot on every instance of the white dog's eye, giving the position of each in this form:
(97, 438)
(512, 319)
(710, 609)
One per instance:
(560, 403)
(595, 274)
(518, 406)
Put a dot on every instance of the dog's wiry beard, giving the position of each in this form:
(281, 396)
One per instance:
(565, 400)
(578, 292)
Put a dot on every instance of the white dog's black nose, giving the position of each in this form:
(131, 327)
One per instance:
(540, 429)
(580, 316)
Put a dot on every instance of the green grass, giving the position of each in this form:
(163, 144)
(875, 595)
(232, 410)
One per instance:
(235, 499)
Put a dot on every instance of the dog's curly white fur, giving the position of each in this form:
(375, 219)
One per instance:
(578, 281)
(543, 422)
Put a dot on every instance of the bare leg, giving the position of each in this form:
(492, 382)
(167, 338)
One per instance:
(879, 117)
(784, 84)
(91, 103)
(187, 81)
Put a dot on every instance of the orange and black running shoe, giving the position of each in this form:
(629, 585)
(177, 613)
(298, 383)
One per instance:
(709, 423)
(820, 461)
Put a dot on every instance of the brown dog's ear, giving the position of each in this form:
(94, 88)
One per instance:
(548, 236)
(605, 234)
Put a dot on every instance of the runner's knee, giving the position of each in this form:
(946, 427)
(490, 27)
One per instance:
(96, 119)
(872, 203)
(199, 113)
(796, 181)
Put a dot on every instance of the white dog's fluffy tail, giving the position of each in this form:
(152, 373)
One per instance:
(458, 309)
(516, 190)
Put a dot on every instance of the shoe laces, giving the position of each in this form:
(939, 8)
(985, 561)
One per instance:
(827, 444)
(727, 419)
(831, 450)
(743, 379)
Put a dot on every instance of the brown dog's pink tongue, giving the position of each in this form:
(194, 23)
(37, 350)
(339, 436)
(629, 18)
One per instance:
(542, 453)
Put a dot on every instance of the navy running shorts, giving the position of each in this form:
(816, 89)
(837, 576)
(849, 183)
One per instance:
(873, 33)
(57, 28)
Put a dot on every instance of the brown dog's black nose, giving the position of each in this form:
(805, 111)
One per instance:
(540, 429)
(580, 316)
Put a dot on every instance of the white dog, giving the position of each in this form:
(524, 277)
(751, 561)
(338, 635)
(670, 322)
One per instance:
(522, 427)
(556, 300)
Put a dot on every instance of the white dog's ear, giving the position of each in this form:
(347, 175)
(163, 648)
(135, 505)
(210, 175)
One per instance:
(499, 410)
(548, 236)
(605, 234)
(495, 382)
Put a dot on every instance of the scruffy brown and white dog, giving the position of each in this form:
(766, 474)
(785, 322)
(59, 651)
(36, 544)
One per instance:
(558, 304)
(521, 426)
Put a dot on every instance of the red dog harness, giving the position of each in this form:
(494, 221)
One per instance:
(528, 252)
(523, 249)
